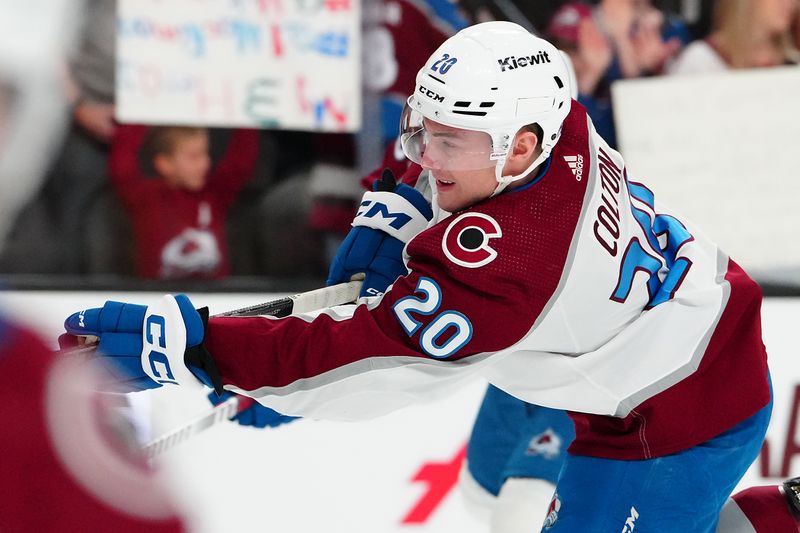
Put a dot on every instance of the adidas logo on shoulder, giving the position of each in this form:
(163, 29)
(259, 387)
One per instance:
(575, 163)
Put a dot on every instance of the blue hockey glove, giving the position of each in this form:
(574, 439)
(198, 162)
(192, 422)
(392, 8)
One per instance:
(386, 220)
(145, 347)
(255, 415)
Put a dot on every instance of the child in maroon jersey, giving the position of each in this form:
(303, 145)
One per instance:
(179, 217)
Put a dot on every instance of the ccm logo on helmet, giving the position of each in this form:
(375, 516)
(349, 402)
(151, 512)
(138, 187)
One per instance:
(430, 94)
(466, 240)
(513, 62)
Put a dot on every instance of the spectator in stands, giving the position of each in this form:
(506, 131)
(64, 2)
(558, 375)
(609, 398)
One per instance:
(62, 442)
(796, 31)
(400, 36)
(745, 34)
(179, 217)
(46, 233)
(80, 171)
(617, 39)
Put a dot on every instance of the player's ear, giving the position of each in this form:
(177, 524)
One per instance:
(523, 152)
(525, 144)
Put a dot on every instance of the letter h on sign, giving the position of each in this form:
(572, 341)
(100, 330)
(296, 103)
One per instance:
(154, 331)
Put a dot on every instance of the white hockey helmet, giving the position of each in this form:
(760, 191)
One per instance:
(494, 78)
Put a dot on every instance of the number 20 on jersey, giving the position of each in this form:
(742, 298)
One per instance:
(447, 333)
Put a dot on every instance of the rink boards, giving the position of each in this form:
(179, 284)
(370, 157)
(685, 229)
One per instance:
(393, 474)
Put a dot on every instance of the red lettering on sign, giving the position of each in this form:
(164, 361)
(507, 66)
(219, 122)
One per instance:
(441, 478)
(337, 5)
(265, 6)
(340, 117)
(277, 42)
(300, 91)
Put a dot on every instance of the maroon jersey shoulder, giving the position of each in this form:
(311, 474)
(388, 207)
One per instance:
(517, 241)
(508, 252)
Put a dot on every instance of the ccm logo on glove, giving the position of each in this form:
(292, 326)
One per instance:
(371, 208)
(399, 214)
(154, 329)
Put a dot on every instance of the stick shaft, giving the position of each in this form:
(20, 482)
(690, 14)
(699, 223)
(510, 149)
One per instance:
(299, 303)
(221, 412)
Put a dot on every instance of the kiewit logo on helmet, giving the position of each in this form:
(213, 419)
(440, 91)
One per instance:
(514, 62)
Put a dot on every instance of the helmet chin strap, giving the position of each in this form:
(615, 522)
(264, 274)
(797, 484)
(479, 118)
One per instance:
(505, 181)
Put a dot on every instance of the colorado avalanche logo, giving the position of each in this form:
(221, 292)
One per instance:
(552, 512)
(466, 240)
(546, 444)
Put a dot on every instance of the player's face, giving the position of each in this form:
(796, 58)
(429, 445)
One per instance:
(189, 162)
(467, 182)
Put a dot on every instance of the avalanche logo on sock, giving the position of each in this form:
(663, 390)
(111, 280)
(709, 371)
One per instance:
(466, 240)
(552, 512)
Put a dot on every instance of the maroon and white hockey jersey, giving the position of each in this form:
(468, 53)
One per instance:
(576, 291)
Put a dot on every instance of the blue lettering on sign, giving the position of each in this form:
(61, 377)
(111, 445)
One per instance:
(195, 39)
(160, 359)
(247, 35)
(377, 208)
(444, 64)
(155, 320)
(332, 44)
(327, 43)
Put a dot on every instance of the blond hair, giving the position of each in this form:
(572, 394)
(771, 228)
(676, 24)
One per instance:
(163, 139)
(733, 22)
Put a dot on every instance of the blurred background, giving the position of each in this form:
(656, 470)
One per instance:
(695, 94)
(220, 147)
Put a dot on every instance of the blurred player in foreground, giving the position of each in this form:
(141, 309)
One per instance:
(541, 266)
(69, 446)
(67, 462)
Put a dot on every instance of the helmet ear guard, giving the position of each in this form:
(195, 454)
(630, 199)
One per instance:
(496, 78)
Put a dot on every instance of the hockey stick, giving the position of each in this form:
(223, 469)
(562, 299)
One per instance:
(299, 303)
(304, 302)
(219, 413)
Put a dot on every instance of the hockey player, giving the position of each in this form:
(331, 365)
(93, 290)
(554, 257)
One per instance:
(515, 449)
(541, 266)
